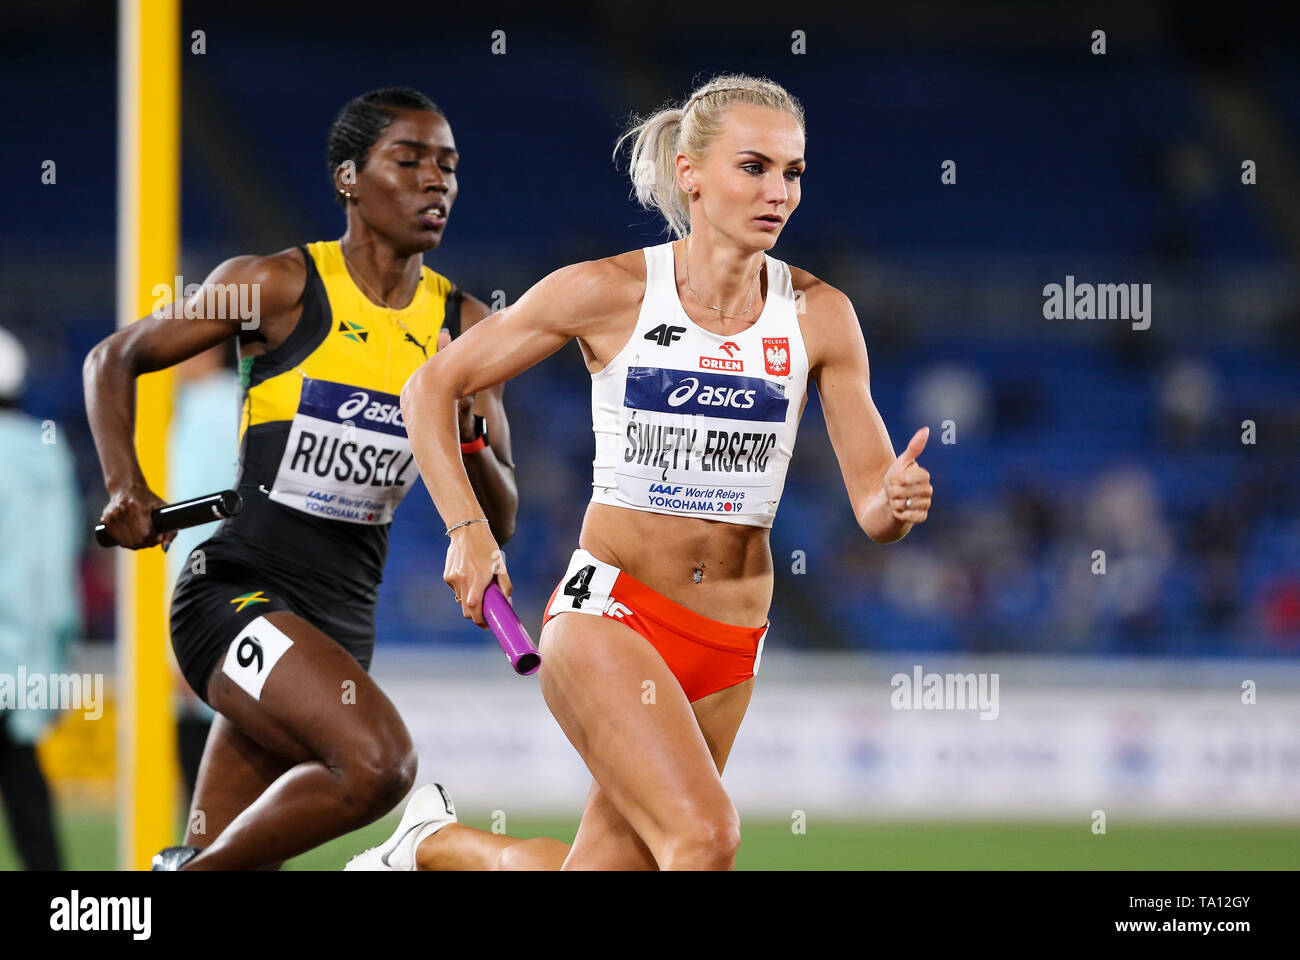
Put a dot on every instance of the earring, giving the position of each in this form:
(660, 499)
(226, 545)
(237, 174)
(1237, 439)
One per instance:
(345, 194)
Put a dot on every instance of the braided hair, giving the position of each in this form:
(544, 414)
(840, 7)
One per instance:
(361, 122)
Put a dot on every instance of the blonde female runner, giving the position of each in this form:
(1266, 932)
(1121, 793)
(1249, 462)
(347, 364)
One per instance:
(700, 352)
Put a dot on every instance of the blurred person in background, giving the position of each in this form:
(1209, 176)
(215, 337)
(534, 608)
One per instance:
(1188, 398)
(955, 392)
(1123, 514)
(39, 612)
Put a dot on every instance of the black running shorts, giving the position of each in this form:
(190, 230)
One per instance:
(210, 608)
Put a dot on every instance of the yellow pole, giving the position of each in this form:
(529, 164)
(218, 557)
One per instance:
(148, 173)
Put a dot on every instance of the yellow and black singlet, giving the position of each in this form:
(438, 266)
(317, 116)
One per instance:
(324, 459)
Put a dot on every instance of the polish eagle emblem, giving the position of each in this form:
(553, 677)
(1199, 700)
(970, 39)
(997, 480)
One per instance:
(776, 355)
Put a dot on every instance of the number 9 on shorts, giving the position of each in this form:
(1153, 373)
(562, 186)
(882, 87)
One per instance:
(253, 653)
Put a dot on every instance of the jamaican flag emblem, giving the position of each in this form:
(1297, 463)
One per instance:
(353, 331)
(246, 599)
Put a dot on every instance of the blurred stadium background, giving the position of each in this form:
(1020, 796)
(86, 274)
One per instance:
(1120, 692)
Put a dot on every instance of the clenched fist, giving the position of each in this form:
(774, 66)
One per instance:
(129, 518)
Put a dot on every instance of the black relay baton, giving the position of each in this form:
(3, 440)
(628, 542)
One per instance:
(187, 513)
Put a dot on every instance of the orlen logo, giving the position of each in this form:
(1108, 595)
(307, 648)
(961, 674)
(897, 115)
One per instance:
(375, 411)
(711, 396)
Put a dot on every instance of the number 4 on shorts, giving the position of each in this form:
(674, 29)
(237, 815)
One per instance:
(579, 586)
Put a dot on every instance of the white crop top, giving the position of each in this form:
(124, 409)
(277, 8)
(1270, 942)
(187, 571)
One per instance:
(695, 424)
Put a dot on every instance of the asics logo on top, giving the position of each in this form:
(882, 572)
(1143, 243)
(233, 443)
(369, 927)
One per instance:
(684, 392)
(376, 411)
(711, 396)
(664, 334)
(727, 396)
(353, 405)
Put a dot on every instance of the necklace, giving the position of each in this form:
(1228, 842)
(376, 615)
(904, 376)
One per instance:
(376, 300)
(753, 286)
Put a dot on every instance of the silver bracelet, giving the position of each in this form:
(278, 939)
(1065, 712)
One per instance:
(464, 523)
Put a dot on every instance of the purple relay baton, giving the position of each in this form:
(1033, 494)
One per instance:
(512, 636)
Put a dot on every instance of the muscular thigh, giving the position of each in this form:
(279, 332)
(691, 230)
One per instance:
(719, 716)
(315, 702)
(687, 748)
(234, 772)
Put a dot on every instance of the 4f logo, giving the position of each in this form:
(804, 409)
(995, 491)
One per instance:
(664, 334)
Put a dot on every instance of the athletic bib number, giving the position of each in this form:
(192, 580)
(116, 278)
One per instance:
(585, 586)
(579, 586)
(248, 651)
(347, 456)
(253, 654)
(699, 443)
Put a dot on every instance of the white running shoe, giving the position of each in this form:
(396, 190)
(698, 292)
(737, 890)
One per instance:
(427, 812)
